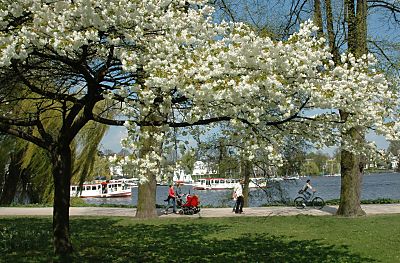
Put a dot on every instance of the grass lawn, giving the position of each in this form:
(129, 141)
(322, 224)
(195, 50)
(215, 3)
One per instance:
(236, 239)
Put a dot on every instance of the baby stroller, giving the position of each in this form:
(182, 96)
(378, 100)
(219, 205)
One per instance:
(191, 206)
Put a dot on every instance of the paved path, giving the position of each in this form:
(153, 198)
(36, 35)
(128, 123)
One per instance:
(205, 212)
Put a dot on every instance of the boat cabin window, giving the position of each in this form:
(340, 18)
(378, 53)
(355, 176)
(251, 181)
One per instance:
(93, 187)
(73, 188)
(87, 187)
(222, 181)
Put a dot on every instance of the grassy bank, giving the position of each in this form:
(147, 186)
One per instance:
(238, 239)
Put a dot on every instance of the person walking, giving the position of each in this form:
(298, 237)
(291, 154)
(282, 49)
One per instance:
(171, 199)
(178, 194)
(234, 200)
(238, 192)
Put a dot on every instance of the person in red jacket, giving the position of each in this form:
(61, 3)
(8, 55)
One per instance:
(171, 199)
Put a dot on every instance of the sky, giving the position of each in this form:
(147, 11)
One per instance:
(112, 140)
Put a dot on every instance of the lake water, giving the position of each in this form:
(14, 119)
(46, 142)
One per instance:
(375, 186)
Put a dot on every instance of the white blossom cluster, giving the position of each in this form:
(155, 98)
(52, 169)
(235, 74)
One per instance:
(193, 69)
(146, 154)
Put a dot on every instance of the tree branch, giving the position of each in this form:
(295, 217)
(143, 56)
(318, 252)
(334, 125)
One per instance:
(23, 135)
(37, 90)
(16, 122)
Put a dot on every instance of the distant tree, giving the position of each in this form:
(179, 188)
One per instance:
(394, 148)
(224, 154)
(319, 159)
(294, 156)
(187, 161)
(310, 168)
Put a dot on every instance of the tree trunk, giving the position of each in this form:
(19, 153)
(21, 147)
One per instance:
(352, 168)
(146, 207)
(246, 176)
(11, 180)
(27, 194)
(351, 164)
(62, 170)
(221, 159)
(351, 180)
(350, 19)
(331, 33)
(318, 18)
(361, 27)
(147, 198)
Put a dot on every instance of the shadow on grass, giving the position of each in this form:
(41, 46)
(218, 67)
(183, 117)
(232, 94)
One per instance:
(105, 240)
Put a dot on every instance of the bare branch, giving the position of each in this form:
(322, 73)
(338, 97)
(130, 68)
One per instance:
(24, 135)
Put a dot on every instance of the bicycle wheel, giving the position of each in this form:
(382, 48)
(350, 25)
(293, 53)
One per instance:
(318, 203)
(299, 202)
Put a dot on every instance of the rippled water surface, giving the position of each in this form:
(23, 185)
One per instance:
(385, 185)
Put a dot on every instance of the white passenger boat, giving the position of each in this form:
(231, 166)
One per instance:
(114, 188)
(226, 183)
(288, 178)
(332, 175)
(130, 182)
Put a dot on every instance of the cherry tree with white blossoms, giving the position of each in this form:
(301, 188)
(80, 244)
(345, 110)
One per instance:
(70, 58)
(265, 91)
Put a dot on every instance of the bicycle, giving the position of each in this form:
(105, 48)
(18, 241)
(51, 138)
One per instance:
(303, 201)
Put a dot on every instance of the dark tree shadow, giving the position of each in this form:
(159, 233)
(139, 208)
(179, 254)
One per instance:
(26, 239)
(104, 240)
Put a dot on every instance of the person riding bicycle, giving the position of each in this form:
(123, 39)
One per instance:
(306, 189)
